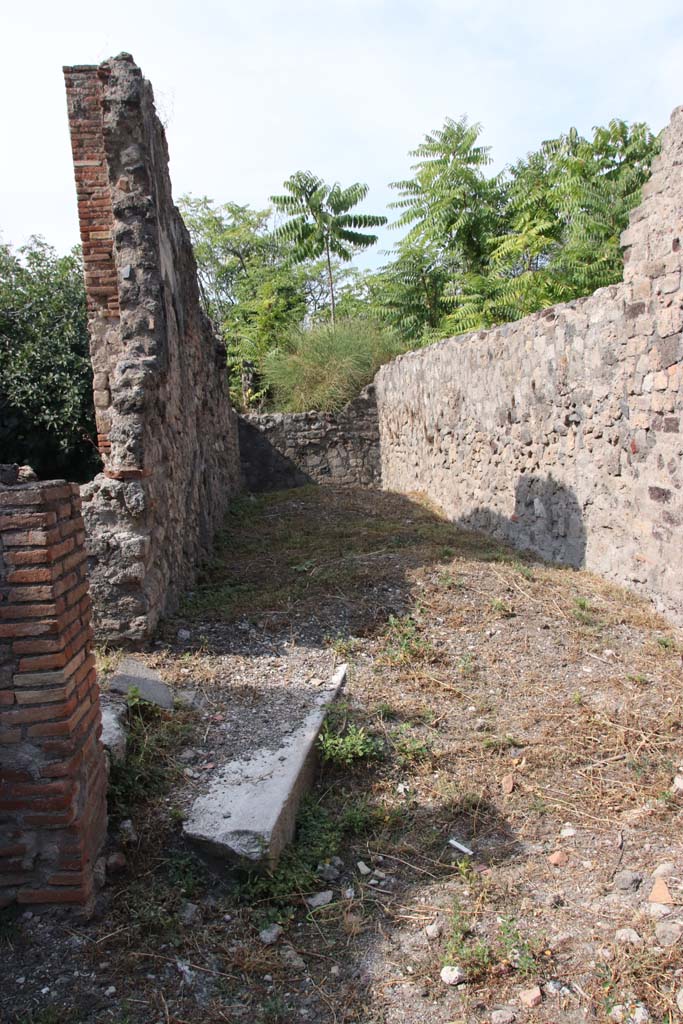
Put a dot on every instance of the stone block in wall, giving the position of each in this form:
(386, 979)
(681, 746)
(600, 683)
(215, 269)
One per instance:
(52, 767)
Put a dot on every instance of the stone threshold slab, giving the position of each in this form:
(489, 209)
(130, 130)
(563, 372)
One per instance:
(248, 813)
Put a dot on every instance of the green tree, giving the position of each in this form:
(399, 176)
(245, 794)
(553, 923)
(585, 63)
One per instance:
(484, 250)
(46, 404)
(320, 223)
(449, 202)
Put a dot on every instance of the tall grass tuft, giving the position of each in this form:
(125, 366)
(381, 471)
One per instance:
(325, 367)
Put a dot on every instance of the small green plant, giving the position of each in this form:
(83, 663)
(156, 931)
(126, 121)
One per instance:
(387, 712)
(524, 570)
(150, 768)
(343, 646)
(448, 581)
(518, 951)
(499, 744)
(502, 608)
(344, 748)
(665, 642)
(468, 666)
(474, 955)
(186, 873)
(583, 612)
(404, 642)
(407, 748)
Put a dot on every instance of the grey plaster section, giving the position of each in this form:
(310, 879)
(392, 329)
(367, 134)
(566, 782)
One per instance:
(248, 813)
(133, 674)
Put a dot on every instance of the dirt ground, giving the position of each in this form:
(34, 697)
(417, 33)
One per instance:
(530, 713)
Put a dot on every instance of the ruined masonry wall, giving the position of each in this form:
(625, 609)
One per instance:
(282, 450)
(166, 431)
(52, 765)
(562, 432)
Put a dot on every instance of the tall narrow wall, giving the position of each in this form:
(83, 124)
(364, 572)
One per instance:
(562, 432)
(166, 431)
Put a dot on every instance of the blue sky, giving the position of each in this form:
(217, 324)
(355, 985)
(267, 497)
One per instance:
(254, 90)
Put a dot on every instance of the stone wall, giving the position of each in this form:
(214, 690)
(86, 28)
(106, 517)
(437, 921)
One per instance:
(52, 768)
(282, 450)
(166, 431)
(562, 432)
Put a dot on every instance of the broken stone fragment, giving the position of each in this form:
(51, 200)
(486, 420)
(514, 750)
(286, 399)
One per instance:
(434, 930)
(134, 675)
(660, 893)
(558, 859)
(189, 913)
(114, 737)
(530, 997)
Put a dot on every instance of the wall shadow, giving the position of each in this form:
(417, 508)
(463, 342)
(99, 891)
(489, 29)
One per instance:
(547, 521)
(264, 468)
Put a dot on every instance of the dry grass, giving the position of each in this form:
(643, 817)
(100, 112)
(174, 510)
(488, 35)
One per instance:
(506, 701)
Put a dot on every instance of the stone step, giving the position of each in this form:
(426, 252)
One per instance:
(248, 812)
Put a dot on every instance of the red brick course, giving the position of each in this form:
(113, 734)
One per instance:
(84, 89)
(52, 766)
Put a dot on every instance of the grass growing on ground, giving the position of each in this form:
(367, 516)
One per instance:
(150, 769)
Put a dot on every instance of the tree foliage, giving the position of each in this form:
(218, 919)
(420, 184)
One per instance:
(320, 222)
(46, 404)
(485, 250)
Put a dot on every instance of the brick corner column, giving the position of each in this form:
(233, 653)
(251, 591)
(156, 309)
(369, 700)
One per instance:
(84, 91)
(53, 775)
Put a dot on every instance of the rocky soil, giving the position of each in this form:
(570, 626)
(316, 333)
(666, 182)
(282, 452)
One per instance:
(495, 834)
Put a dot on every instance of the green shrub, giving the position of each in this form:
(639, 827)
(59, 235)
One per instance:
(46, 405)
(324, 367)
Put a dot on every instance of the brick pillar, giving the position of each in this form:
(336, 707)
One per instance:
(52, 767)
(84, 88)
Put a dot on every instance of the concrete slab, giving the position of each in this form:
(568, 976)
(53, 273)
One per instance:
(248, 813)
(132, 673)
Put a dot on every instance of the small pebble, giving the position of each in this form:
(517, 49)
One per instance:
(320, 899)
(270, 935)
(628, 937)
(452, 975)
(668, 932)
(506, 1015)
(530, 997)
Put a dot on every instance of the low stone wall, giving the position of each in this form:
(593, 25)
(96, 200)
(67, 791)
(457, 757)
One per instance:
(52, 767)
(282, 450)
(561, 433)
(166, 430)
